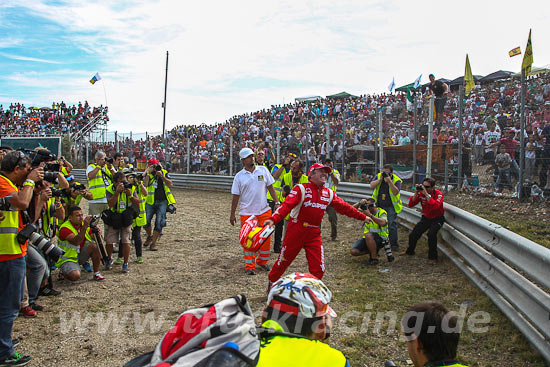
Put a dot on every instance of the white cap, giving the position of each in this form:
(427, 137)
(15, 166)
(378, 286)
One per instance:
(245, 152)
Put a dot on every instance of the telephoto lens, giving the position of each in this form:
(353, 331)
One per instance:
(387, 249)
(29, 233)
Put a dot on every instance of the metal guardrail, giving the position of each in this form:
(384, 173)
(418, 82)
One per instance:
(499, 262)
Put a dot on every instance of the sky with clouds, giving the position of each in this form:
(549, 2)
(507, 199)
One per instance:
(231, 57)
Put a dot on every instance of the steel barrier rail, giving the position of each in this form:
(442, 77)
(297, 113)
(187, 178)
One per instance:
(484, 251)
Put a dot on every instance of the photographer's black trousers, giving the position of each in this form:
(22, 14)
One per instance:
(432, 226)
(278, 230)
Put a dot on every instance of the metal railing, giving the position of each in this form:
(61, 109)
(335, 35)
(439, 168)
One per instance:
(98, 119)
(511, 270)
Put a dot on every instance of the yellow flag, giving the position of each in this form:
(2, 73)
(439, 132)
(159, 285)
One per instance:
(528, 56)
(469, 82)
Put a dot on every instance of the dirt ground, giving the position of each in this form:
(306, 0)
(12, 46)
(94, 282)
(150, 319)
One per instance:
(201, 262)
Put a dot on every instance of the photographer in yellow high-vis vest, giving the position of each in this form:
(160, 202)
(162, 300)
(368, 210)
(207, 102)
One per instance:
(98, 181)
(15, 171)
(159, 198)
(387, 194)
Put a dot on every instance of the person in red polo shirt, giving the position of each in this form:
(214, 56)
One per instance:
(433, 218)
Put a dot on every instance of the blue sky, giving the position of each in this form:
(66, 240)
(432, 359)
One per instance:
(233, 57)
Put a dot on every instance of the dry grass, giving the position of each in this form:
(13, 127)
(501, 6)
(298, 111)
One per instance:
(200, 262)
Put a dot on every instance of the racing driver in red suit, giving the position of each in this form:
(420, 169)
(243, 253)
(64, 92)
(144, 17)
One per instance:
(307, 204)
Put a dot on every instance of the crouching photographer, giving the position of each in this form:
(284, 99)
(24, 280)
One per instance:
(75, 238)
(42, 214)
(376, 233)
(159, 200)
(15, 171)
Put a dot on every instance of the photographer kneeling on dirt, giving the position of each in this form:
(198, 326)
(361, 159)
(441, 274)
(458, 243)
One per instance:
(375, 234)
(432, 334)
(159, 200)
(75, 238)
(295, 323)
(123, 209)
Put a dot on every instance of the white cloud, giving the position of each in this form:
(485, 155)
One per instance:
(357, 46)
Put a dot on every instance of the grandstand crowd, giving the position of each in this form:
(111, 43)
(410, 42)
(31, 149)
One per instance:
(491, 114)
(60, 119)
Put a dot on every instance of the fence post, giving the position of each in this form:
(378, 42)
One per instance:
(446, 175)
(231, 155)
(522, 138)
(430, 138)
(380, 141)
(414, 140)
(460, 117)
(87, 155)
(188, 154)
(278, 142)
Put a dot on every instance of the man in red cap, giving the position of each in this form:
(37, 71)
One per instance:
(307, 204)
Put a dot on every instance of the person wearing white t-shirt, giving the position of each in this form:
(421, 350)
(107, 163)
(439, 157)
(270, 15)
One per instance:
(250, 186)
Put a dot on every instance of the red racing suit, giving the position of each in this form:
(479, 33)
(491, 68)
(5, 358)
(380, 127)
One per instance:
(307, 204)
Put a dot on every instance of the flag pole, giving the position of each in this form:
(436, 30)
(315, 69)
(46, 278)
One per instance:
(460, 117)
(164, 110)
(430, 138)
(415, 137)
(521, 137)
(104, 92)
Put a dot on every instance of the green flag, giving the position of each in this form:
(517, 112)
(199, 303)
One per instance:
(409, 95)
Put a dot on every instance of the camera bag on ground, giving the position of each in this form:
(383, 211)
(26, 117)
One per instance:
(223, 334)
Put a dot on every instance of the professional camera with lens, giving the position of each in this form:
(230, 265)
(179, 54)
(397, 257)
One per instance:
(5, 203)
(127, 185)
(52, 167)
(60, 193)
(385, 174)
(30, 233)
(366, 206)
(171, 209)
(419, 187)
(109, 160)
(286, 190)
(78, 186)
(38, 156)
(139, 176)
(157, 167)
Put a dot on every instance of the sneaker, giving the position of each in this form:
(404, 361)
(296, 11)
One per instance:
(87, 267)
(15, 342)
(109, 264)
(250, 272)
(139, 260)
(16, 359)
(37, 307)
(98, 277)
(48, 291)
(153, 247)
(264, 267)
(125, 268)
(118, 261)
(27, 312)
(373, 262)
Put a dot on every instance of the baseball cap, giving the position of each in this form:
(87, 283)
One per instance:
(301, 294)
(245, 152)
(318, 166)
(153, 161)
